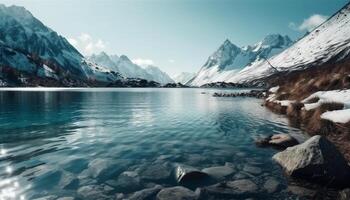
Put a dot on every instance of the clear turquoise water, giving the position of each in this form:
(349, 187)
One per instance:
(50, 141)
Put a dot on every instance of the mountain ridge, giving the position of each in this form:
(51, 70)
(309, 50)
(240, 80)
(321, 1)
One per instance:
(228, 59)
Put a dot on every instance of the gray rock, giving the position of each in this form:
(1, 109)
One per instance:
(278, 140)
(176, 193)
(100, 168)
(301, 191)
(127, 181)
(219, 172)
(92, 192)
(316, 159)
(144, 194)
(283, 140)
(252, 169)
(187, 174)
(236, 188)
(156, 172)
(271, 185)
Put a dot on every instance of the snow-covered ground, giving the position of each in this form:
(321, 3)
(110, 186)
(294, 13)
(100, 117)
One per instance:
(337, 116)
(272, 97)
(336, 96)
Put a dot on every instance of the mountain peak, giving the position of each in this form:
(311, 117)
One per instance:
(275, 40)
(16, 11)
(124, 58)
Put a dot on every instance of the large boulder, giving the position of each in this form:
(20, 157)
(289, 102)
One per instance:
(186, 173)
(176, 193)
(317, 159)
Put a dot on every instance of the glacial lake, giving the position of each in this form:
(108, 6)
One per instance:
(55, 141)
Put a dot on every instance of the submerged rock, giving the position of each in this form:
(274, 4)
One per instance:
(301, 191)
(127, 181)
(238, 188)
(92, 192)
(176, 193)
(271, 185)
(187, 174)
(149, 193)
(155, 172)
(317, 159)
(252, 169)
(219, 172)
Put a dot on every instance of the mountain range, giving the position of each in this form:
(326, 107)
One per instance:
(127, 68)
(229, 59)
(276, 54)
(34, 55)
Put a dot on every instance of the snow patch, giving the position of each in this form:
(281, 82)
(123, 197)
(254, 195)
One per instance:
(337, 116)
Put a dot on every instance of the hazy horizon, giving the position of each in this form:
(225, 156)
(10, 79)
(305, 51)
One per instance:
(176, 36)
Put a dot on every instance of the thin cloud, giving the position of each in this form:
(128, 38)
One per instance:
(87, 45)
(309, 24)
(171, 60)
(143, 62)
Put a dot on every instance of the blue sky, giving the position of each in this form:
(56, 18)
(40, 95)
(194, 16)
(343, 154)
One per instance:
(176, 35)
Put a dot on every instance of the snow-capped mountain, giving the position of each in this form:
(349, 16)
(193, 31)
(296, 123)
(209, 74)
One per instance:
(229, 59)
(330, 42)
(128, 69)
(30, 49)
(184, 77)
(158, 75)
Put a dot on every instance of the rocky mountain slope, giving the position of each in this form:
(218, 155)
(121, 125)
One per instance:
(33, 54)
(128, 69)
(328, 43)
(229, 59)
(184, 77)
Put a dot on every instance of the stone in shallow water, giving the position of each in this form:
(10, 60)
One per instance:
(186, 173)
(101, 168)
(176, 193)
(301, 191)
(92, 192)
(271, 185)
(127, 181)
(317, 159)
(155, 172)
(252, 169)
(218, 172)
(149, 193)
(236, 188)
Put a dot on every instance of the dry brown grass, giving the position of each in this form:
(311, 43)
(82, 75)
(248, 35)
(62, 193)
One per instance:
(299, 85)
